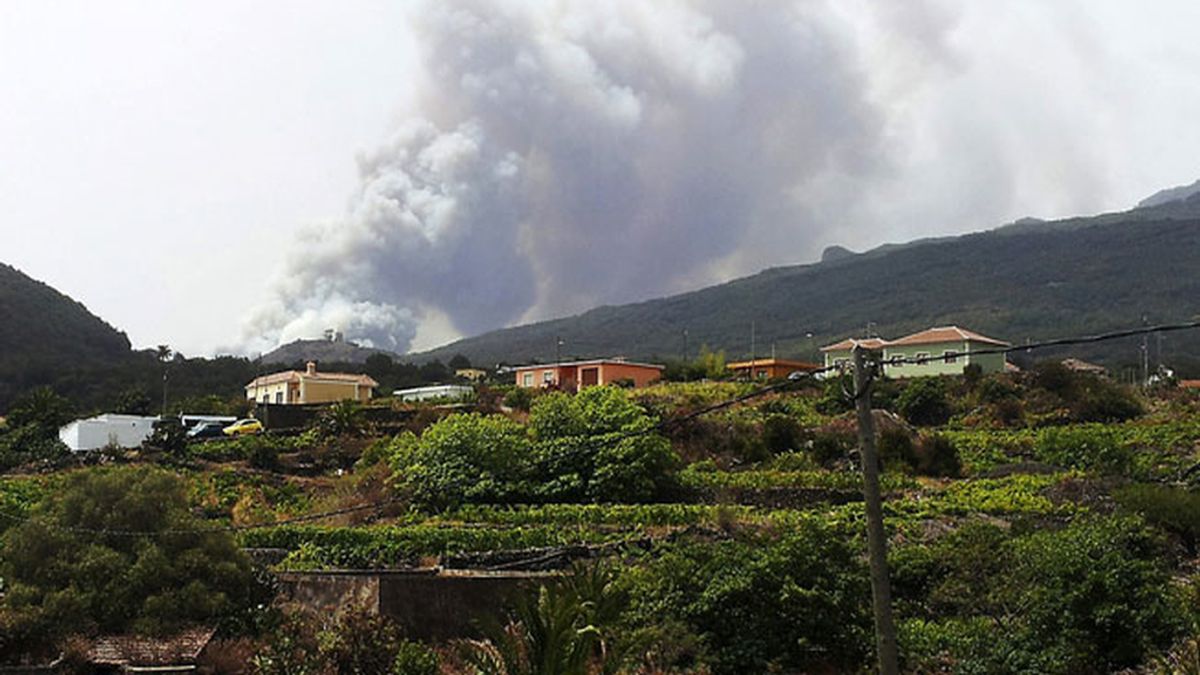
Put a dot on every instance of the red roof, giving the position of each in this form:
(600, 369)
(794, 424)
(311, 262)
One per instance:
(139, 650)
(944, 334)
(296, 375)
(850, 343)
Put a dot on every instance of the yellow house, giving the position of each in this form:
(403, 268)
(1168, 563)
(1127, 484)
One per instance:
(310, 386)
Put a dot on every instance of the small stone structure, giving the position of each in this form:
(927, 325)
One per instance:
(430, 604)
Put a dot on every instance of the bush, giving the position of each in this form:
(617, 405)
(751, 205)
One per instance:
(780, 434)
(598, 445)
(833, 399)
(519, 398)
(896, 449)
(1101, 400)
(463, 458)
(65, 573)
(414, 658)
(1093, 597)
(263, 456)
(796, 604)
(1175, 510)
(936, 455)
(924, 403)
(831, 446)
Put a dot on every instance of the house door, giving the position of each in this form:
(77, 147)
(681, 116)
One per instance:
(589, 376)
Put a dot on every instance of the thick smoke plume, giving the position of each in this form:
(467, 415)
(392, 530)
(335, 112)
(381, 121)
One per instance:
(565, 154)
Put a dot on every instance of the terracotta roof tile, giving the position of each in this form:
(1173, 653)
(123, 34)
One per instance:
(297, 375)
(849, 343)
(140, 650)
(944, 334)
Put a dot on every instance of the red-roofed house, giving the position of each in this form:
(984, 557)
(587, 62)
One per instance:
(945, 350)
(310, 386)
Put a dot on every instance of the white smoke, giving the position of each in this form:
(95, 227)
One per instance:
(564, 154)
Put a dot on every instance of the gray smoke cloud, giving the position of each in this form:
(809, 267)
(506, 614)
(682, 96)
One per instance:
(567, 154)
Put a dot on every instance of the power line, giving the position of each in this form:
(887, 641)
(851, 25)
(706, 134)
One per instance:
(615, 437)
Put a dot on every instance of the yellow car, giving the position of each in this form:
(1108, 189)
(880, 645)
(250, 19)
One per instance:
(247, 427)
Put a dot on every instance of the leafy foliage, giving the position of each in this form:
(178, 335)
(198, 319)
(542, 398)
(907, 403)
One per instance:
(463, 458)
(66, 573)
(796, 604)
(1092, 597)
(924, 402)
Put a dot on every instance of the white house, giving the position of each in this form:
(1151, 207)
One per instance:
(109, 429)
(449, 392)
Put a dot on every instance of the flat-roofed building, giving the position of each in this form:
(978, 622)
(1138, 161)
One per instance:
(575, 375)
(770, 369)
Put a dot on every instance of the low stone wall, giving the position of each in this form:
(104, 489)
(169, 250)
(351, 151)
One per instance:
(430, 604)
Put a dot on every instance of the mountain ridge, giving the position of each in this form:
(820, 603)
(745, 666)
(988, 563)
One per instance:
(1084, 274)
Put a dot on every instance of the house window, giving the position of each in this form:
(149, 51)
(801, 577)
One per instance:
(279, 397)
(762, 374)
(841, 363)
(919, 356)
(950, 356)
(528, 379)
(548, 376)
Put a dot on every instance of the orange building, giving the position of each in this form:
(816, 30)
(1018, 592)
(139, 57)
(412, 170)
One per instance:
(575, 375)
(769, 369)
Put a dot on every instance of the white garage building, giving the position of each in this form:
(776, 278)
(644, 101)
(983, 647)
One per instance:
(109, 429)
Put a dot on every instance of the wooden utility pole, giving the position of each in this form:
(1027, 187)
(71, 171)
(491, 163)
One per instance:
(881, 591)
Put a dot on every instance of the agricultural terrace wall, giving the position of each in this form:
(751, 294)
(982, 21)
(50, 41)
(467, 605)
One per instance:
(428, 604)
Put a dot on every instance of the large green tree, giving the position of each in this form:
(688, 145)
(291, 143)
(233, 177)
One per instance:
(115, 550)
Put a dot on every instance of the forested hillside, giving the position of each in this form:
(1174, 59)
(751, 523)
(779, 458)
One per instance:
(1025, 281)
(43, 332)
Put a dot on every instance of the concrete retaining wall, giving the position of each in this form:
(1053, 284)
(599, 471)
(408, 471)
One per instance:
(429, 604)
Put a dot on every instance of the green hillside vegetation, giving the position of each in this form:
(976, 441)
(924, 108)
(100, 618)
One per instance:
(1025, 281)
(43, 332)
(1058, 505)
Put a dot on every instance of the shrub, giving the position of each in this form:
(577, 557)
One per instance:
(831, 446)
(923, 402)
(896, 449)
(833, 399)
(1175, 510)
(169, 436)
(780, 434)
(414, 658)
(362, 643)
(344, 418)
(262, 455)
(1101, 400)
(936, 455)
(598, 445)
(1093, 597)
(519, 398)
(64, 573)
(463, 458)
(796, 604)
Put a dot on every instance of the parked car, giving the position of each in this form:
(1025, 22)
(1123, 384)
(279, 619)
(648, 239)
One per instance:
(206, 430)
(246, 427)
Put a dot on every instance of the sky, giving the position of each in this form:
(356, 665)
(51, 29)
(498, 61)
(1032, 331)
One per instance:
(225, 176)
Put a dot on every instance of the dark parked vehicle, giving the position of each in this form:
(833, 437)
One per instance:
(206, 430)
